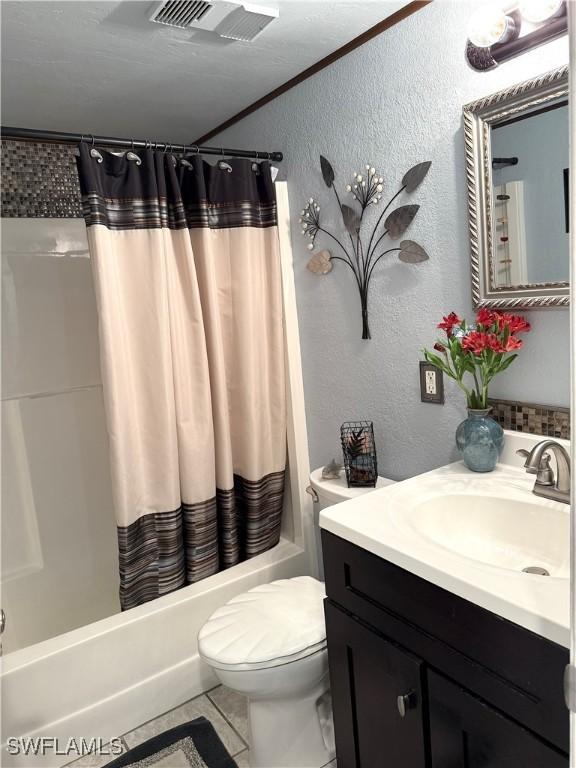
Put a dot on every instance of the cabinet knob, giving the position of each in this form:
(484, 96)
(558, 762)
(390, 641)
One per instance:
(405, 702)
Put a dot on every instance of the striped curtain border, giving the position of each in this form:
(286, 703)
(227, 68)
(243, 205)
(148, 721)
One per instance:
(163, 551)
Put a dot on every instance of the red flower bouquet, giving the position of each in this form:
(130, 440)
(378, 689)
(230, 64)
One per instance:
(473, 354)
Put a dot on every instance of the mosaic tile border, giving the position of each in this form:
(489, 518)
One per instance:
(39, 180)
(546, 420)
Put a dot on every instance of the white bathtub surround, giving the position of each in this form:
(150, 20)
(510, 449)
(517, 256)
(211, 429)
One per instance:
(480, 555)
(117, 673)
(56, 491)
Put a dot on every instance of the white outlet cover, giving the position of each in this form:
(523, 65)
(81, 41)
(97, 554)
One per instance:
(430, 382)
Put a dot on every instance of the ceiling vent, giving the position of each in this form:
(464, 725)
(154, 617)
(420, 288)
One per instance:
(231, 20)
(246, 22)
(180, 13)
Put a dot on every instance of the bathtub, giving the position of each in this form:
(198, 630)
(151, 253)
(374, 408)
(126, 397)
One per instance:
(106, 678)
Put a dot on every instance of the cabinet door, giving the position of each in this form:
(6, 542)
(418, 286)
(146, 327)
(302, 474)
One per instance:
(466, 733)
(377, 697)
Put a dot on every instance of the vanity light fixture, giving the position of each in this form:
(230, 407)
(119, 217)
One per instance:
(500, 31)
(490, 25)
(537, 11)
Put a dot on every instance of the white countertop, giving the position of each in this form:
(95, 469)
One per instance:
(375, 523)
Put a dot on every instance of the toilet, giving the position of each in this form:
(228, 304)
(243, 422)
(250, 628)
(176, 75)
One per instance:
(269, 644)
(328, 492)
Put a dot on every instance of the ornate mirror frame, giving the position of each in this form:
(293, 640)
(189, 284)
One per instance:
(479, 116)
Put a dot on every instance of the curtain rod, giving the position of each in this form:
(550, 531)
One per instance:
(60, 137)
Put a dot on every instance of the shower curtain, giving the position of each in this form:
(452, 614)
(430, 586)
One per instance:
(187, 275)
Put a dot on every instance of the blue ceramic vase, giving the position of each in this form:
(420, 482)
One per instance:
(480, 439)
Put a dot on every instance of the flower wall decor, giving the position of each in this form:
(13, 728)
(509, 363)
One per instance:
(363, 253)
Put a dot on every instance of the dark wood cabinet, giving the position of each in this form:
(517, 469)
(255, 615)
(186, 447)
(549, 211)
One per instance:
(467, 733)
(424, 679)
(377, 697)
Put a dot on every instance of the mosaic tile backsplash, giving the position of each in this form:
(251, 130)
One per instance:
(39, 180)
(549, 421)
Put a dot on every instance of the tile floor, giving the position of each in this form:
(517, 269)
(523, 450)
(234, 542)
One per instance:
(225, 709)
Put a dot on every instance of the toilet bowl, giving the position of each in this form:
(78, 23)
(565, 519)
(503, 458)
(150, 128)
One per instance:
(270, 644)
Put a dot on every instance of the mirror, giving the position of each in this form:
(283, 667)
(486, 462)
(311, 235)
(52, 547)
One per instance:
(517, 159)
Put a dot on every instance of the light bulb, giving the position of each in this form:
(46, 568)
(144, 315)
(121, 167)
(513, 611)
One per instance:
(490, 25)
(537, 11)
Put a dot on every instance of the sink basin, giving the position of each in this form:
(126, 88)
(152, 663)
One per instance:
(509, 533)
(473, 534)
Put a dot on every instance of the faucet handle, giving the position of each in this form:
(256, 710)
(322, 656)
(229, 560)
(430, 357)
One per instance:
(544, 473)
(525, 455)
(544, 461)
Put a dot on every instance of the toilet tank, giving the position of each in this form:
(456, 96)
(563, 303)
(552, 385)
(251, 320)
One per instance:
(328, 492)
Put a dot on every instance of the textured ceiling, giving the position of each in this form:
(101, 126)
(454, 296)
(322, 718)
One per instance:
(103, 68)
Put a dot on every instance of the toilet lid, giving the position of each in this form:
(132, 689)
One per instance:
(269, 625)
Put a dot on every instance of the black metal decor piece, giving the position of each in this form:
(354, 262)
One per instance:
(359, 452)
(361, 257)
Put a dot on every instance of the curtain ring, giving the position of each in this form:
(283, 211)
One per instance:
(197, 148)
(132, 142)
(93, 140)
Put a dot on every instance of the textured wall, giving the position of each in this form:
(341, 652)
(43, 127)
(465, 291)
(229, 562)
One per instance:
(394, 102)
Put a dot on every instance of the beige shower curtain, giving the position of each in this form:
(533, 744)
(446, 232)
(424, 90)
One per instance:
(187, 274)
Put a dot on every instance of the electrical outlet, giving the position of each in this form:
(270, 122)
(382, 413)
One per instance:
(431, 384)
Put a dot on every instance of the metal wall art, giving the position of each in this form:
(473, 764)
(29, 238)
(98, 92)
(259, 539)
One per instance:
(361, 256)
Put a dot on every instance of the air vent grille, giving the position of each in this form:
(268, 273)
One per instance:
(180, 13)
(246, 22)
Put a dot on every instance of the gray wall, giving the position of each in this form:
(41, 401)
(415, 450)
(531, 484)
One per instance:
(541, 145)
(394, 102)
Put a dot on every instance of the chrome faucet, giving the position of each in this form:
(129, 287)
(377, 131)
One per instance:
(548, 485)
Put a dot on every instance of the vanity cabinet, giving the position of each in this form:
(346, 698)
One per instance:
(370, 678)
(424, 679)
(466, 732)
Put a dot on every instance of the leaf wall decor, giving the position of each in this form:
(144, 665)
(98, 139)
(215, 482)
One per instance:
(327, 171)
(351, 219)
(412, 253)
(400, 219)
(320, 263)
(415, 176)
(361, 257)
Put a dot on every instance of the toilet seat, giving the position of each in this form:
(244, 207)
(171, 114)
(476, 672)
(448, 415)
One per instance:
(268, 626)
